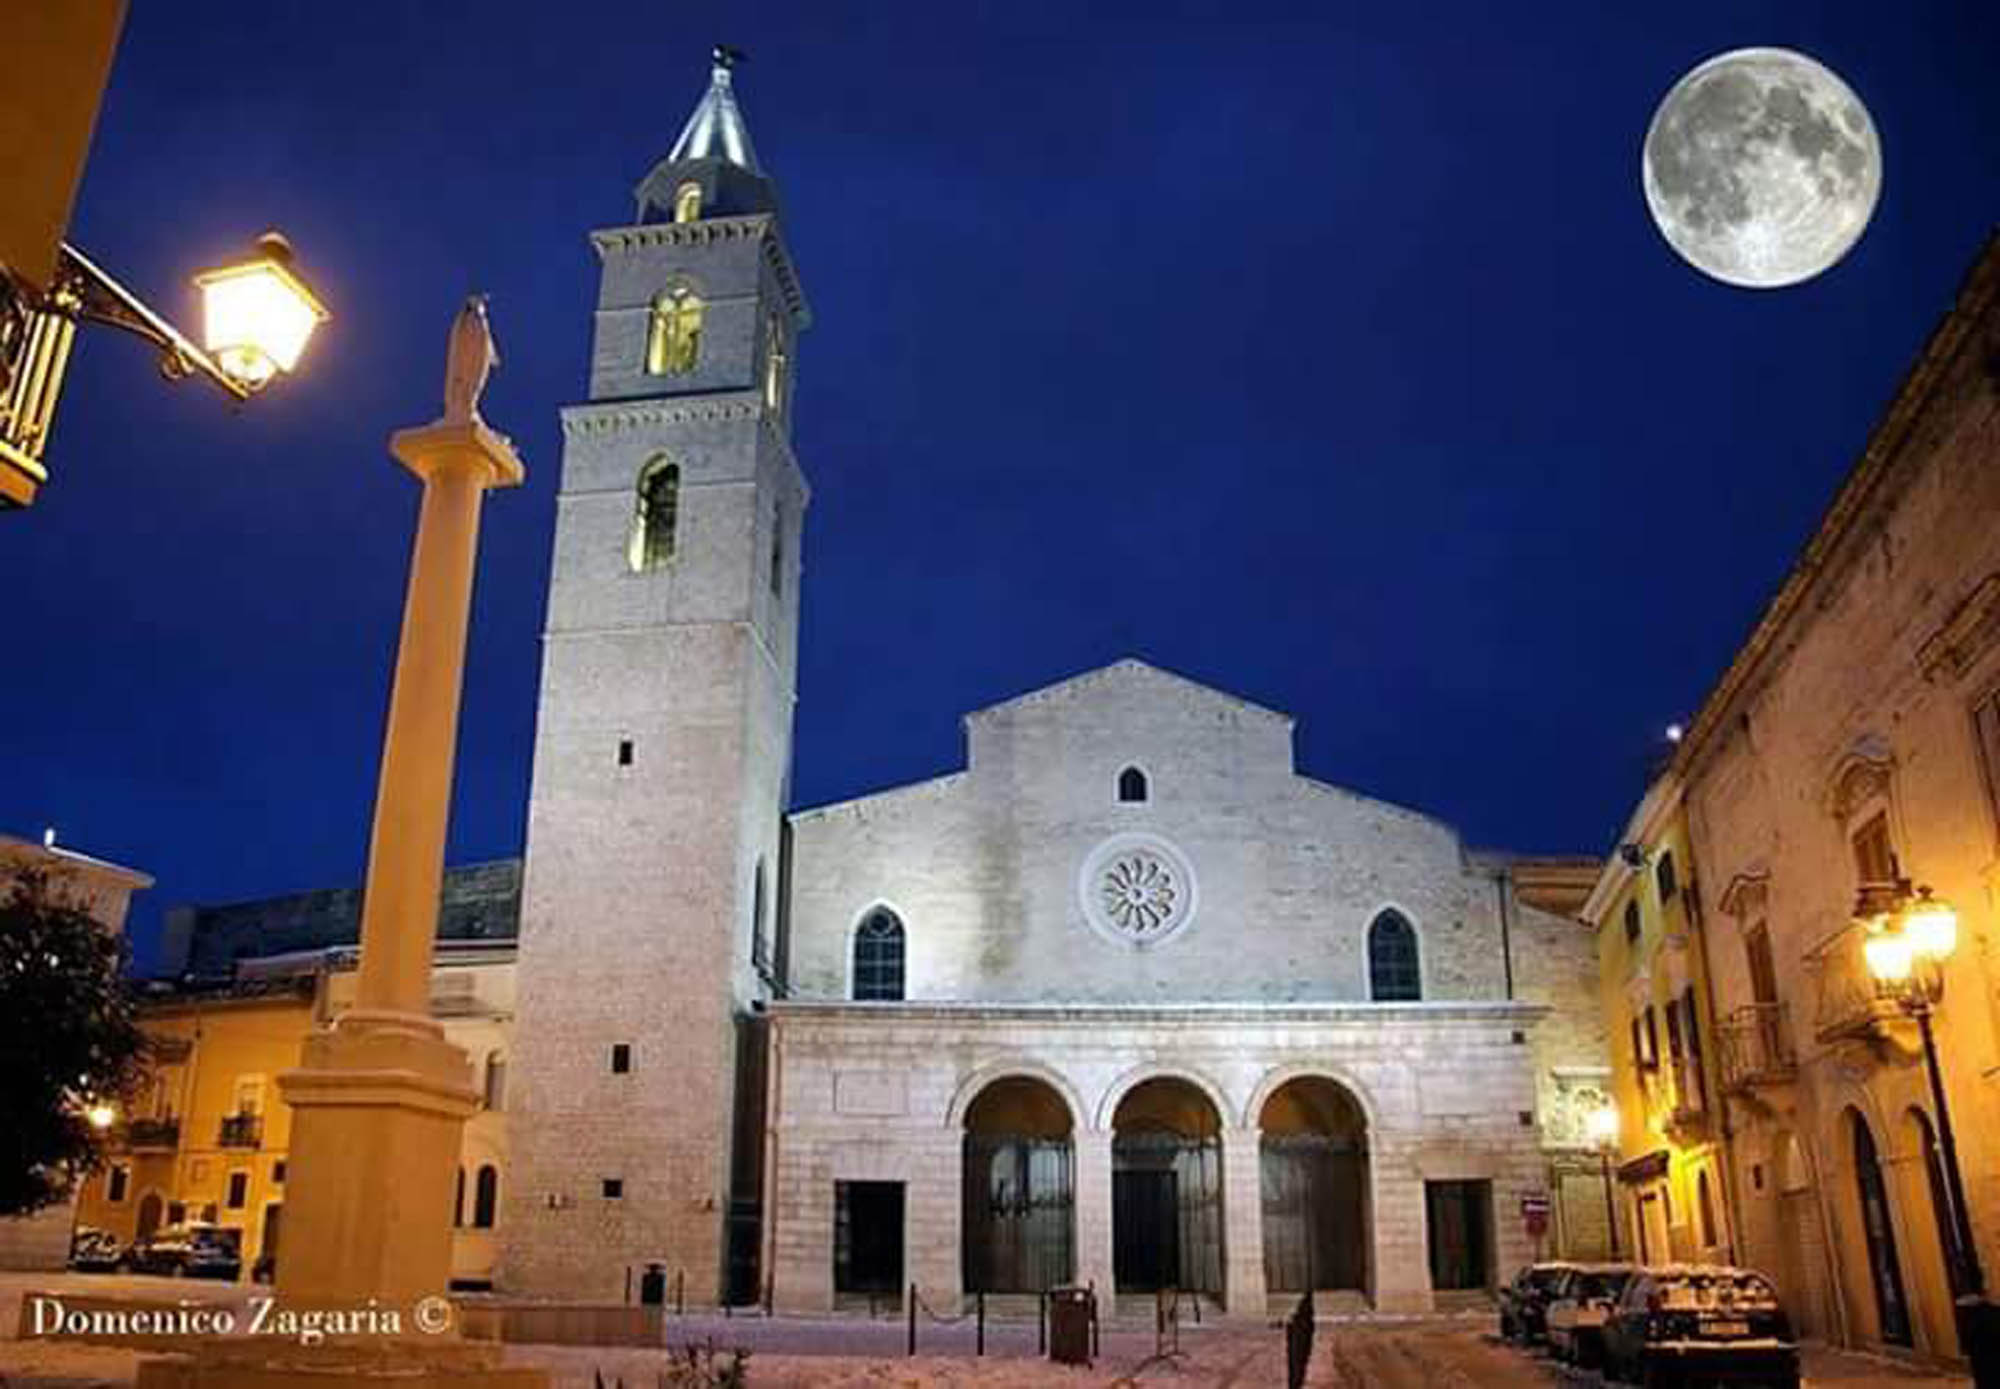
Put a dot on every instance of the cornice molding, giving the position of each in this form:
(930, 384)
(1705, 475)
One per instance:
(761, 227)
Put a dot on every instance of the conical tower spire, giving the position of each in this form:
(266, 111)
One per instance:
(716, 129)
(713, 156)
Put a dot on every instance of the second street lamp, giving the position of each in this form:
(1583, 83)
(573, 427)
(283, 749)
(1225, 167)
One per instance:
(1602, 1129)
(1908, 937)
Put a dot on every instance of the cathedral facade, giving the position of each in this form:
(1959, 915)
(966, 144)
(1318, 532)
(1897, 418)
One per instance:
(1127, 1001)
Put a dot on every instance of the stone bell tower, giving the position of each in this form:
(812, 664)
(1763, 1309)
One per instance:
(663, 746)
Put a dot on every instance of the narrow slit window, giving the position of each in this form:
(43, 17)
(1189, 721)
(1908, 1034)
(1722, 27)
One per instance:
(1132, 788)
(621, 1058)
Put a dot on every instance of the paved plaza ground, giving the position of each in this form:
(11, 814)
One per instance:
(1456, 1352)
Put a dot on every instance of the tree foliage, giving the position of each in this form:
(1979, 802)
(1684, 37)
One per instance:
(69, 1038)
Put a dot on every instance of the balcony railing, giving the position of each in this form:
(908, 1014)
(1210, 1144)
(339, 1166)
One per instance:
(1849, 1006)
(1756, 1042)
(241, 1131)
(153, 1133)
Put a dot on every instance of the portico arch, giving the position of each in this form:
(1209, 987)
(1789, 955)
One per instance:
(1019, 1185)
(1166, 1186)
(1313, 1160)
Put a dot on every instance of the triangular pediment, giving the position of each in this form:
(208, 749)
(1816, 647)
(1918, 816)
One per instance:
(1126, 677)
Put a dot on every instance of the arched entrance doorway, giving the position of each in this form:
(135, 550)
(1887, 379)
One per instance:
(1166, 1189)
(1019, 1189)
(1314, 1171)
(1892, 1306)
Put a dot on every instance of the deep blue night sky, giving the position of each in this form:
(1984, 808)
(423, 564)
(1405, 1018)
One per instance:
(1328, 357)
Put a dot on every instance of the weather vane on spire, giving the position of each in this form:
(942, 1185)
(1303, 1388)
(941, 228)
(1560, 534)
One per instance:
(727, 58)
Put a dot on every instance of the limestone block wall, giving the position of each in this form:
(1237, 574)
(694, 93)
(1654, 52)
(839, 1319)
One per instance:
(984, 866)
(1862, 696)
(880, 1091)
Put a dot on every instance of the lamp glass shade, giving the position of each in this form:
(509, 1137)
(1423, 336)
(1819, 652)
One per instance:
(101, 1116)
(1931, 927)
(256, 318)
(1602, 1126)
(1889, 956)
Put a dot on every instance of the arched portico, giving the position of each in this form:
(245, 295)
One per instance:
(1019, 1188)
(1166, 1187)
(1313, 1168)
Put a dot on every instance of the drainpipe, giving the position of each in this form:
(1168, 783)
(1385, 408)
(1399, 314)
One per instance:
(1506, 932)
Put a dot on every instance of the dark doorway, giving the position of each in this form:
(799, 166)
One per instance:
(149, 1214)
(1166, 1189)
(1460, 1215)
(1145, 1213)
(1891, 1306)
(1314, 1160)
(868, 1237)
(274, 1219)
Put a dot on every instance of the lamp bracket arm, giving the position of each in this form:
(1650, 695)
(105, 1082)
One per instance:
(84, 291)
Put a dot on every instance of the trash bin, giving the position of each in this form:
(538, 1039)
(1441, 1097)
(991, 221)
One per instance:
(1070, 1313)
(653, 1286)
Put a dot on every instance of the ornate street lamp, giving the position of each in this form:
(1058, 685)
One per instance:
(1907, 936)
(1602, 1129)
(258, 313)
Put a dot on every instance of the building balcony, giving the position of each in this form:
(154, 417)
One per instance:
(1683, 1104)
(1756, 1048)
(154, 1134)
(241, 1131)
(1850, 1008)
(168, 1051)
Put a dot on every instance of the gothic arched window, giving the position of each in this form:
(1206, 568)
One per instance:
(656, 518)
(687, 202)
(1393, 974)
(878, 957)
(673, 338)
(485, 1197)
(1131, 785)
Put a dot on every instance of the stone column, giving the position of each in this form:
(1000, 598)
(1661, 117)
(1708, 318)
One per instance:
(1400, 1261)
(1243, 1223)
(380, 1098)
(1093, 1216)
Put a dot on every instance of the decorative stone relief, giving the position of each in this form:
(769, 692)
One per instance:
(1578, 1095)
(1137, 889)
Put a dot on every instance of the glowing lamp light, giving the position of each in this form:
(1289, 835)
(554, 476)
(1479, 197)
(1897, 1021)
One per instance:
(1889, 956)
(1602, 1125)
(101, 1116)
(1931, 927)
(1675, 733)
(257, 316)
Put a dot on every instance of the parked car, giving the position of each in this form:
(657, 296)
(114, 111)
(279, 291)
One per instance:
(195, 1250)
(1579, 1307)
(92, 1250)
(1686, 1325)
(1524, 1302)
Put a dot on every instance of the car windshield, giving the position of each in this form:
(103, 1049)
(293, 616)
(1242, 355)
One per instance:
(1599, 1285)
(1545, 1279)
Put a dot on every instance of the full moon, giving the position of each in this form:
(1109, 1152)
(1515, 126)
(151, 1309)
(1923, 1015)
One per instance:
(1762, 168)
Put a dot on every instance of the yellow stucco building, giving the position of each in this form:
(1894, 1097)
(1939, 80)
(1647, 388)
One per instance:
(1669, 1167)
(207, 1137)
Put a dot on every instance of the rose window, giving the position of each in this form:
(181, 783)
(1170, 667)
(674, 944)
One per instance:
(1140, 893)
